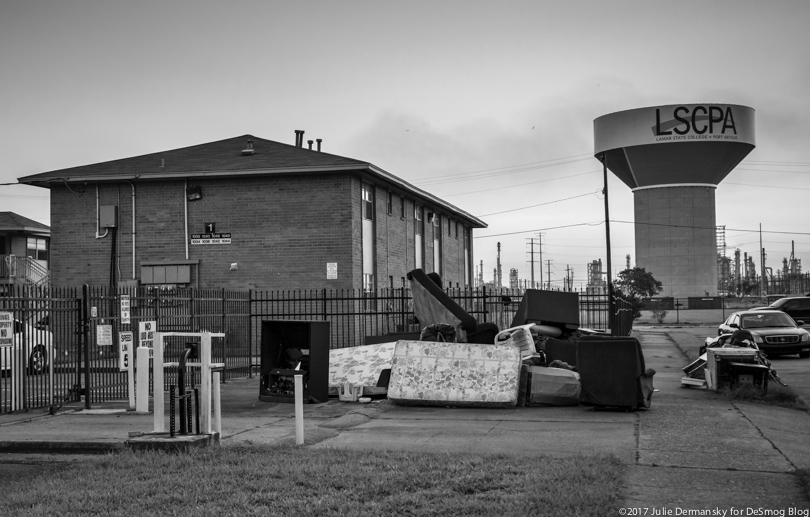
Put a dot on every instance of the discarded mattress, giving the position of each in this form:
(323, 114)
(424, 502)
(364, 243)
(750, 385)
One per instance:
(552, 387)
(454, 374)
(366, 366)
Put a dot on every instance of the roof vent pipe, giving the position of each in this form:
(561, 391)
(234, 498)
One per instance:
(249, 149)
(319, 140)
(299, 137)
(310, 144)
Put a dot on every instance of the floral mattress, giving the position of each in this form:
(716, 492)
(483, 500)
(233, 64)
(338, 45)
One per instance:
(454, 374)
(359, 365)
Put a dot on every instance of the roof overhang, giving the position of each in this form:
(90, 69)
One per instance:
(367, 169)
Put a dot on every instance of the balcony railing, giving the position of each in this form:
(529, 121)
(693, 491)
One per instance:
(23, 270)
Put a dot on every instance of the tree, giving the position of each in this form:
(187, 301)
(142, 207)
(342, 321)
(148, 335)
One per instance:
(636, 283)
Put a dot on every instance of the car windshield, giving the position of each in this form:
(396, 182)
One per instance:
(755, 321)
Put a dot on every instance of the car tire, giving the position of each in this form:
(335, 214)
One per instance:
(804, 355)
(38, 361)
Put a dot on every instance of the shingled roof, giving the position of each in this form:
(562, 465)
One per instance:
(11, 222)
(225, 158)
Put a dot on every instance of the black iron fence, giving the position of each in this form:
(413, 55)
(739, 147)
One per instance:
(67, 339)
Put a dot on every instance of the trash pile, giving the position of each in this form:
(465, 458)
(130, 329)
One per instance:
(730, 360)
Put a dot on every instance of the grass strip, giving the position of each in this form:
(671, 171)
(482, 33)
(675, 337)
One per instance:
(302, 481)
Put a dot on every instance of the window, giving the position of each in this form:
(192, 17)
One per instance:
(37, 248)
(368, 204)
(402, 208)
(456, 230)
(368, 282)
(448, 227)
(390, 203)
(168, 274)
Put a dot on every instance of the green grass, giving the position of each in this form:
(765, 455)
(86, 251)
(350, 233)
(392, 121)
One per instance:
(301, 481)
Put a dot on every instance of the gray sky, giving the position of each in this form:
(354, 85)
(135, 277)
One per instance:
(489, 105)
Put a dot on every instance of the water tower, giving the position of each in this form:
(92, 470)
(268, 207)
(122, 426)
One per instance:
(673, 158)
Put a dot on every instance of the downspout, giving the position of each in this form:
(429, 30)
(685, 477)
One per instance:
(98, 218)
(133, 230)
(185, 214)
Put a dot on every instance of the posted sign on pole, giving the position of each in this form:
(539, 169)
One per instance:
(146, 335)
(125, 356)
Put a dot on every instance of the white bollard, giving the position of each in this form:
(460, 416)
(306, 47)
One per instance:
(299, 410)
(142, 386)
(217, 406)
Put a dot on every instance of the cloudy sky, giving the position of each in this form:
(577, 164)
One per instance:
(489, 105)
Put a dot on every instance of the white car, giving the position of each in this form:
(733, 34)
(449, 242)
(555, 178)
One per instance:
(37, 351)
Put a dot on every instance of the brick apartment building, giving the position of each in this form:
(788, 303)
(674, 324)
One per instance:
(249, 213)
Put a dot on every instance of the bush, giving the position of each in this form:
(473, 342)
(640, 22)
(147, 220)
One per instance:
(659, 315)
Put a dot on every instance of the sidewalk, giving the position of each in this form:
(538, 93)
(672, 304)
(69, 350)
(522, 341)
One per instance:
(692, 450)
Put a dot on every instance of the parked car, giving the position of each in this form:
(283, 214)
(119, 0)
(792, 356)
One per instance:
(38, 346)
(797, 307)
(775, 333)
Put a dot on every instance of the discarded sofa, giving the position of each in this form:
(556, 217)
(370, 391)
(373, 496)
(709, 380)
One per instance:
(432, 305)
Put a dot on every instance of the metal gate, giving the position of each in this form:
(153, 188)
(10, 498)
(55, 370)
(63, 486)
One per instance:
(42, 367)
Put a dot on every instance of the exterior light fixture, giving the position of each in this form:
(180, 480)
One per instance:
(194, 193)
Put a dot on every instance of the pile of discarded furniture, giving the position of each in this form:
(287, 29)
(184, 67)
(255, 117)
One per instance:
(730, 360)
(543, 359)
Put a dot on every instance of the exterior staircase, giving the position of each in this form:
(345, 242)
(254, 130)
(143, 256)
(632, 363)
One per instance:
(23, 271)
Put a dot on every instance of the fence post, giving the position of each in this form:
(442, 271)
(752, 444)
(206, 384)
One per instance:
(85, 344)
(324, 304)
(225, 339)
(484, 298)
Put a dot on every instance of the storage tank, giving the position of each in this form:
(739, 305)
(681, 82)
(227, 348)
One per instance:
(673, 157)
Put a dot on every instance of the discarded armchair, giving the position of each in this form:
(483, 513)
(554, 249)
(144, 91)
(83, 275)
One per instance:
(432, 305)
(613, 373)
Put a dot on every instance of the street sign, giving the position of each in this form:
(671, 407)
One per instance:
(125, 345)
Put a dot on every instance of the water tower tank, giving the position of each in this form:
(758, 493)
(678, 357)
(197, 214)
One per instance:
(673, 157)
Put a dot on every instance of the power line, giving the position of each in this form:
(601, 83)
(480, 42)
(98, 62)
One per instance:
(523, 167)
(519, 185)
(713, 228)
(541, 204)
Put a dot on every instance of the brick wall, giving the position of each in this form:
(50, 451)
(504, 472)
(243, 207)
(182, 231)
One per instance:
(284, 230)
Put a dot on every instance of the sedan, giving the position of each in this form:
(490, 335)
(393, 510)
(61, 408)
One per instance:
(775, 333)
(37, 344)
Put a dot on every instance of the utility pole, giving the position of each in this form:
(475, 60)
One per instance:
(548, 265)
(609, 277)
(532, 261)
(761, 263)
(498, 273)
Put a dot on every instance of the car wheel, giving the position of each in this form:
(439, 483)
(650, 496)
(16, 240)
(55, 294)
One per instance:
(804, 355)
(38, 362)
